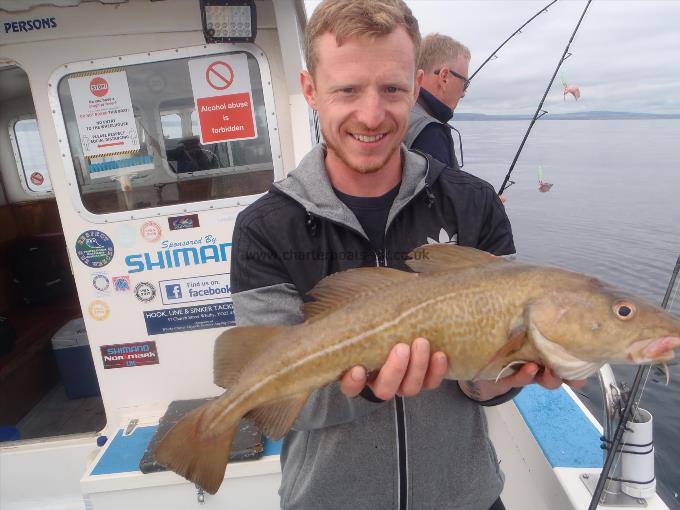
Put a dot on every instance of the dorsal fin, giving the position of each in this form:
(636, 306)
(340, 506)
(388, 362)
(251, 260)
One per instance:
(438, 258)
(276, 419)
(237, 347)
(341, 288)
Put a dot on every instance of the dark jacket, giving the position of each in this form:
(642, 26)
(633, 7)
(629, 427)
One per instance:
(429, 131)
(346, 453)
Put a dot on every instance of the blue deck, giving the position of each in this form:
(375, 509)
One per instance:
(566, 435)
(125, 452)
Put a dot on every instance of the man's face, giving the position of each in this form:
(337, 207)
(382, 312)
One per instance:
(455, 90)
(363, 92)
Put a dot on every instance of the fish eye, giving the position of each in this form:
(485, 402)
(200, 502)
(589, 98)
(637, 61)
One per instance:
(624, 310)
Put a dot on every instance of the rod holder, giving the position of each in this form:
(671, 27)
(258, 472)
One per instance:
(637, 457)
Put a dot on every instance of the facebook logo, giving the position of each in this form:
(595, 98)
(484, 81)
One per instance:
(173, 291)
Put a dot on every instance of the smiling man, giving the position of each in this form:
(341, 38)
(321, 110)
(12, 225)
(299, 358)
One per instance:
(403, 439)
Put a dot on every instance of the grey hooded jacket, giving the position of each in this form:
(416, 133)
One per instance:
(431, 451)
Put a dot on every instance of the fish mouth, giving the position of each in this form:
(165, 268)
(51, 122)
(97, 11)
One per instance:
(653, 350)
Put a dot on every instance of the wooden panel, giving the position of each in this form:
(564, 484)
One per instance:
(37, 217)
(8, 225)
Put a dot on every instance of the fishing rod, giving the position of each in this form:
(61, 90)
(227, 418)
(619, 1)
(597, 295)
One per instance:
(539, 112)
(630, 404)
(518, 31)
(492, 56)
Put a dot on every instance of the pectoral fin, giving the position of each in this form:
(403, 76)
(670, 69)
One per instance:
(516, 339)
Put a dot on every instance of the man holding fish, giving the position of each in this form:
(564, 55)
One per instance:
(411, 433)
(362, 80)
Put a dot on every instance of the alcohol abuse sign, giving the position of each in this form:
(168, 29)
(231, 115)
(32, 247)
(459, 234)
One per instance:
(223, 98)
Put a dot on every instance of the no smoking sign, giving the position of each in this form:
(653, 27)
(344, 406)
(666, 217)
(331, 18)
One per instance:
(223, 98)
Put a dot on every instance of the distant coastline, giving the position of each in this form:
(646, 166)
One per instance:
(594, 115)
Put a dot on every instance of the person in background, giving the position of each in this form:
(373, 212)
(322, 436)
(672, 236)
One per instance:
(445, 63)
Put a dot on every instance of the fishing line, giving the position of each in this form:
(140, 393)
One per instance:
(539, 111)
(518, 31)
(494, 55)
(642, 372)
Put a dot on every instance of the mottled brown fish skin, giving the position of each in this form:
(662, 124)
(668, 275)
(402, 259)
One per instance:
(484, 313)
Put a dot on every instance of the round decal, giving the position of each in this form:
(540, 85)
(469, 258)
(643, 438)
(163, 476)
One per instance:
(145, 292)
(98, 310)
(94, 248)
(151, 231)
(99, 86)
(37, 178)
(101, 282)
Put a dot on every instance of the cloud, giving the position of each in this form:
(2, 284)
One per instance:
(624, 56)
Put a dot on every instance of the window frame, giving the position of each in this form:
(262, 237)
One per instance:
(21, 170)
(150, 57)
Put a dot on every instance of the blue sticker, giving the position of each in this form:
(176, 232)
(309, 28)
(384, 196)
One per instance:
(94, 248)
(189, 318)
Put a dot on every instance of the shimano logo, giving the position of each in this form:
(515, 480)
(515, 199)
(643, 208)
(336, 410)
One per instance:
(177, 257)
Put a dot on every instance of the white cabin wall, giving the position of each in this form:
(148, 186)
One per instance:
(93, 31)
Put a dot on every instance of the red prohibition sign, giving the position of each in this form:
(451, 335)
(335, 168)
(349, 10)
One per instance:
(219, 75)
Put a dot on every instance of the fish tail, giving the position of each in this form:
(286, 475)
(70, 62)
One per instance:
(196, 454)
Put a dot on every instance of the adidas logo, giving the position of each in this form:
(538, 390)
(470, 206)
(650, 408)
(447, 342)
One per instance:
(444, 238)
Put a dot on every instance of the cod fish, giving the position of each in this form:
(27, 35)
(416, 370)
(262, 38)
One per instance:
(486, 313)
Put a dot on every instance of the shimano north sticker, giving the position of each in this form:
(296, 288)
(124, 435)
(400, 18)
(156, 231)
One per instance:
(129, 355)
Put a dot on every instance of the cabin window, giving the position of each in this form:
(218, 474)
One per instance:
(170, 154)
(30, 157)
(172, 125)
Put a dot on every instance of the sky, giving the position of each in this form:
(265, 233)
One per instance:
(624, 55)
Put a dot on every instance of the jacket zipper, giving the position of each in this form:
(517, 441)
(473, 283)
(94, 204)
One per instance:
(400, 424)
(399, 415)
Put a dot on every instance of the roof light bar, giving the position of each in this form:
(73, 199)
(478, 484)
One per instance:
(228, 20)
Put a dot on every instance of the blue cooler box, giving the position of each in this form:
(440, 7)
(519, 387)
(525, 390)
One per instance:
(74, 359)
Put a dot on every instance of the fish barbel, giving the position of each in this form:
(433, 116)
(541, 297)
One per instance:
(486, 313)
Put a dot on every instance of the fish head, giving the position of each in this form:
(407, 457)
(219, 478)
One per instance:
(578, 329)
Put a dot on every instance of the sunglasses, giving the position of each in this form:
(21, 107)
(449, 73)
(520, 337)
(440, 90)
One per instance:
(466, 82)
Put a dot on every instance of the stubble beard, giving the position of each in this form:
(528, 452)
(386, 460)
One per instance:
(342, 156)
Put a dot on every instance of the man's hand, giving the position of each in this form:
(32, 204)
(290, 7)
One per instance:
(407, 371)
(530, 373)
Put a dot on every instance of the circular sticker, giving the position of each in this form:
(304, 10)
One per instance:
(101, 282)
(145, 292)
(94, 248)
(37, 178)
(151, 231)
(99, 86)
(98, 310)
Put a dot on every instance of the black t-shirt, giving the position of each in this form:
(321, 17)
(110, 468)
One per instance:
(372, 213)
